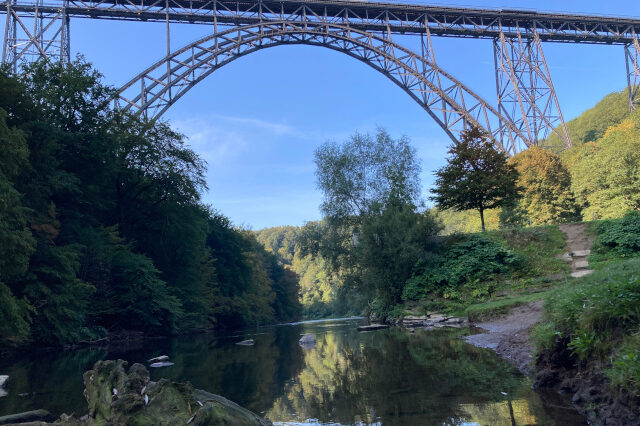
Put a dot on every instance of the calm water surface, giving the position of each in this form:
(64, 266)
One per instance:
(388, 377)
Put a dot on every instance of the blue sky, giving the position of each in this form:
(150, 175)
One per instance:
(258, 120)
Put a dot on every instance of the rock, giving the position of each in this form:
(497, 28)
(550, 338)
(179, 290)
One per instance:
(27, 416)
(581, 273)
(3, 380)
(160, 358)
(167, 402)
(581, 264)
(248, 342)
(307, 340)
(160, 364)
(372, 327)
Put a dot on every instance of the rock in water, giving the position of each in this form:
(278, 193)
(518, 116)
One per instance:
(372, 327)
(164, 402)
(248, 342)
(160, 358)
(161, 364)
(27, 416)
(308, 339)
(3, 380)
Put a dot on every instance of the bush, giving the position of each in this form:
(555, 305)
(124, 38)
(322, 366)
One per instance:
(619, 237)
(593, 314)
(474, 259)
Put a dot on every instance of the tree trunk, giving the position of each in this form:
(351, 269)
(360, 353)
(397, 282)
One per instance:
(482, 218)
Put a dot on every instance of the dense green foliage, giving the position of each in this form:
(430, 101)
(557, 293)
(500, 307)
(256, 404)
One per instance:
(458, 261)
(476, 177)
(462, 274)
(546, 188)
(319, 288)
(102, 227)
(606, 173)
(372, 233)
(592, 124)
(597, 321)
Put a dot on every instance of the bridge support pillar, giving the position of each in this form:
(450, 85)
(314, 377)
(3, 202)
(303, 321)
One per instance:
(526, 95)
(632, 56)
(32, 33)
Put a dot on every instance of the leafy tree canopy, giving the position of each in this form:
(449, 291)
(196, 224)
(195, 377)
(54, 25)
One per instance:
(546, 187)
(476, 177)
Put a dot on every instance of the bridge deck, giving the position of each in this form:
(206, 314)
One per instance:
(369, 16)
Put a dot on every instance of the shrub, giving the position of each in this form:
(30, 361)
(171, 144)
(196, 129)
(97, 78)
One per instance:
(590, 315)
(458, 262)
(619, 237)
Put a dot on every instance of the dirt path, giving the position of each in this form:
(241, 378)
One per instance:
(509, 335)
(579, 246)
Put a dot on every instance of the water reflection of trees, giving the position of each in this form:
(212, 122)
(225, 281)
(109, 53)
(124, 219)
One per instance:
(397, 377)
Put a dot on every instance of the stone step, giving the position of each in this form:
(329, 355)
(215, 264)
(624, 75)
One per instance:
(581, 264)
(564, 256)
(581, 253)
(581, 273)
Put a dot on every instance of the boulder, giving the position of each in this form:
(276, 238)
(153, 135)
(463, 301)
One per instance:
(307, 339)
(116, 396)
(161, 364)
(372, 327)
(3, 380)
(27, 416)
(248, 342)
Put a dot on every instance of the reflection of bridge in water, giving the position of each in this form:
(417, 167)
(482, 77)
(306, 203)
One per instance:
(526, 112)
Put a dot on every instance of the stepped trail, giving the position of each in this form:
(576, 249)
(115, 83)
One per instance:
(579, 246)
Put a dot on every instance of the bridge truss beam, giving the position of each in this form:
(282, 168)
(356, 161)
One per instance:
(44, 33)
(526, 96)
(366, 16)
(632, 57)
(451, 104)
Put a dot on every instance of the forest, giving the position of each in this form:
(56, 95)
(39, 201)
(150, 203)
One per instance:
(102, 226)
(103, 230)
(597, 179)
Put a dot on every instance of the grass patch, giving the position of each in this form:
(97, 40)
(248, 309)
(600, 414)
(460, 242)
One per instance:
(495, 308)
(597, 319)
(540, 246)
(615, 240)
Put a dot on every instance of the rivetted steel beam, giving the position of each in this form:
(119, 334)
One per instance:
(632, 57)
(44, 34)
(366, 16)
(451, 104)
(526, 96)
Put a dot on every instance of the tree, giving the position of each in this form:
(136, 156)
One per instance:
(372, 234)
(477, 176)
(606, 173)
(546, 187)
(365, 171)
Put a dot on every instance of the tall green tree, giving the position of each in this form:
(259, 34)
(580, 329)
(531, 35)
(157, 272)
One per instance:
(546, 187)
(606, 173)
(476, 177)
(372, 233)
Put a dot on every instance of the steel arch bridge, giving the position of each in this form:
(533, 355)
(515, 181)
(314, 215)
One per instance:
(526, 112)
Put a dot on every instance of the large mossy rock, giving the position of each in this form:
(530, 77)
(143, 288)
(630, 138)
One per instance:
(116, 397)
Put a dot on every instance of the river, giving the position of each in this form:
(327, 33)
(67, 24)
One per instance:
(390, 377)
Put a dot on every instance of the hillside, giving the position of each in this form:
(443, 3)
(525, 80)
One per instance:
(592, 124)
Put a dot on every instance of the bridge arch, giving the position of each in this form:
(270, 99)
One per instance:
(449, 102)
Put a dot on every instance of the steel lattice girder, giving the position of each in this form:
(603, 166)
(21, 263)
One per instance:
(526, 95)
(632, 56)
(47, 36)
(367, 16)
(448, 101)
